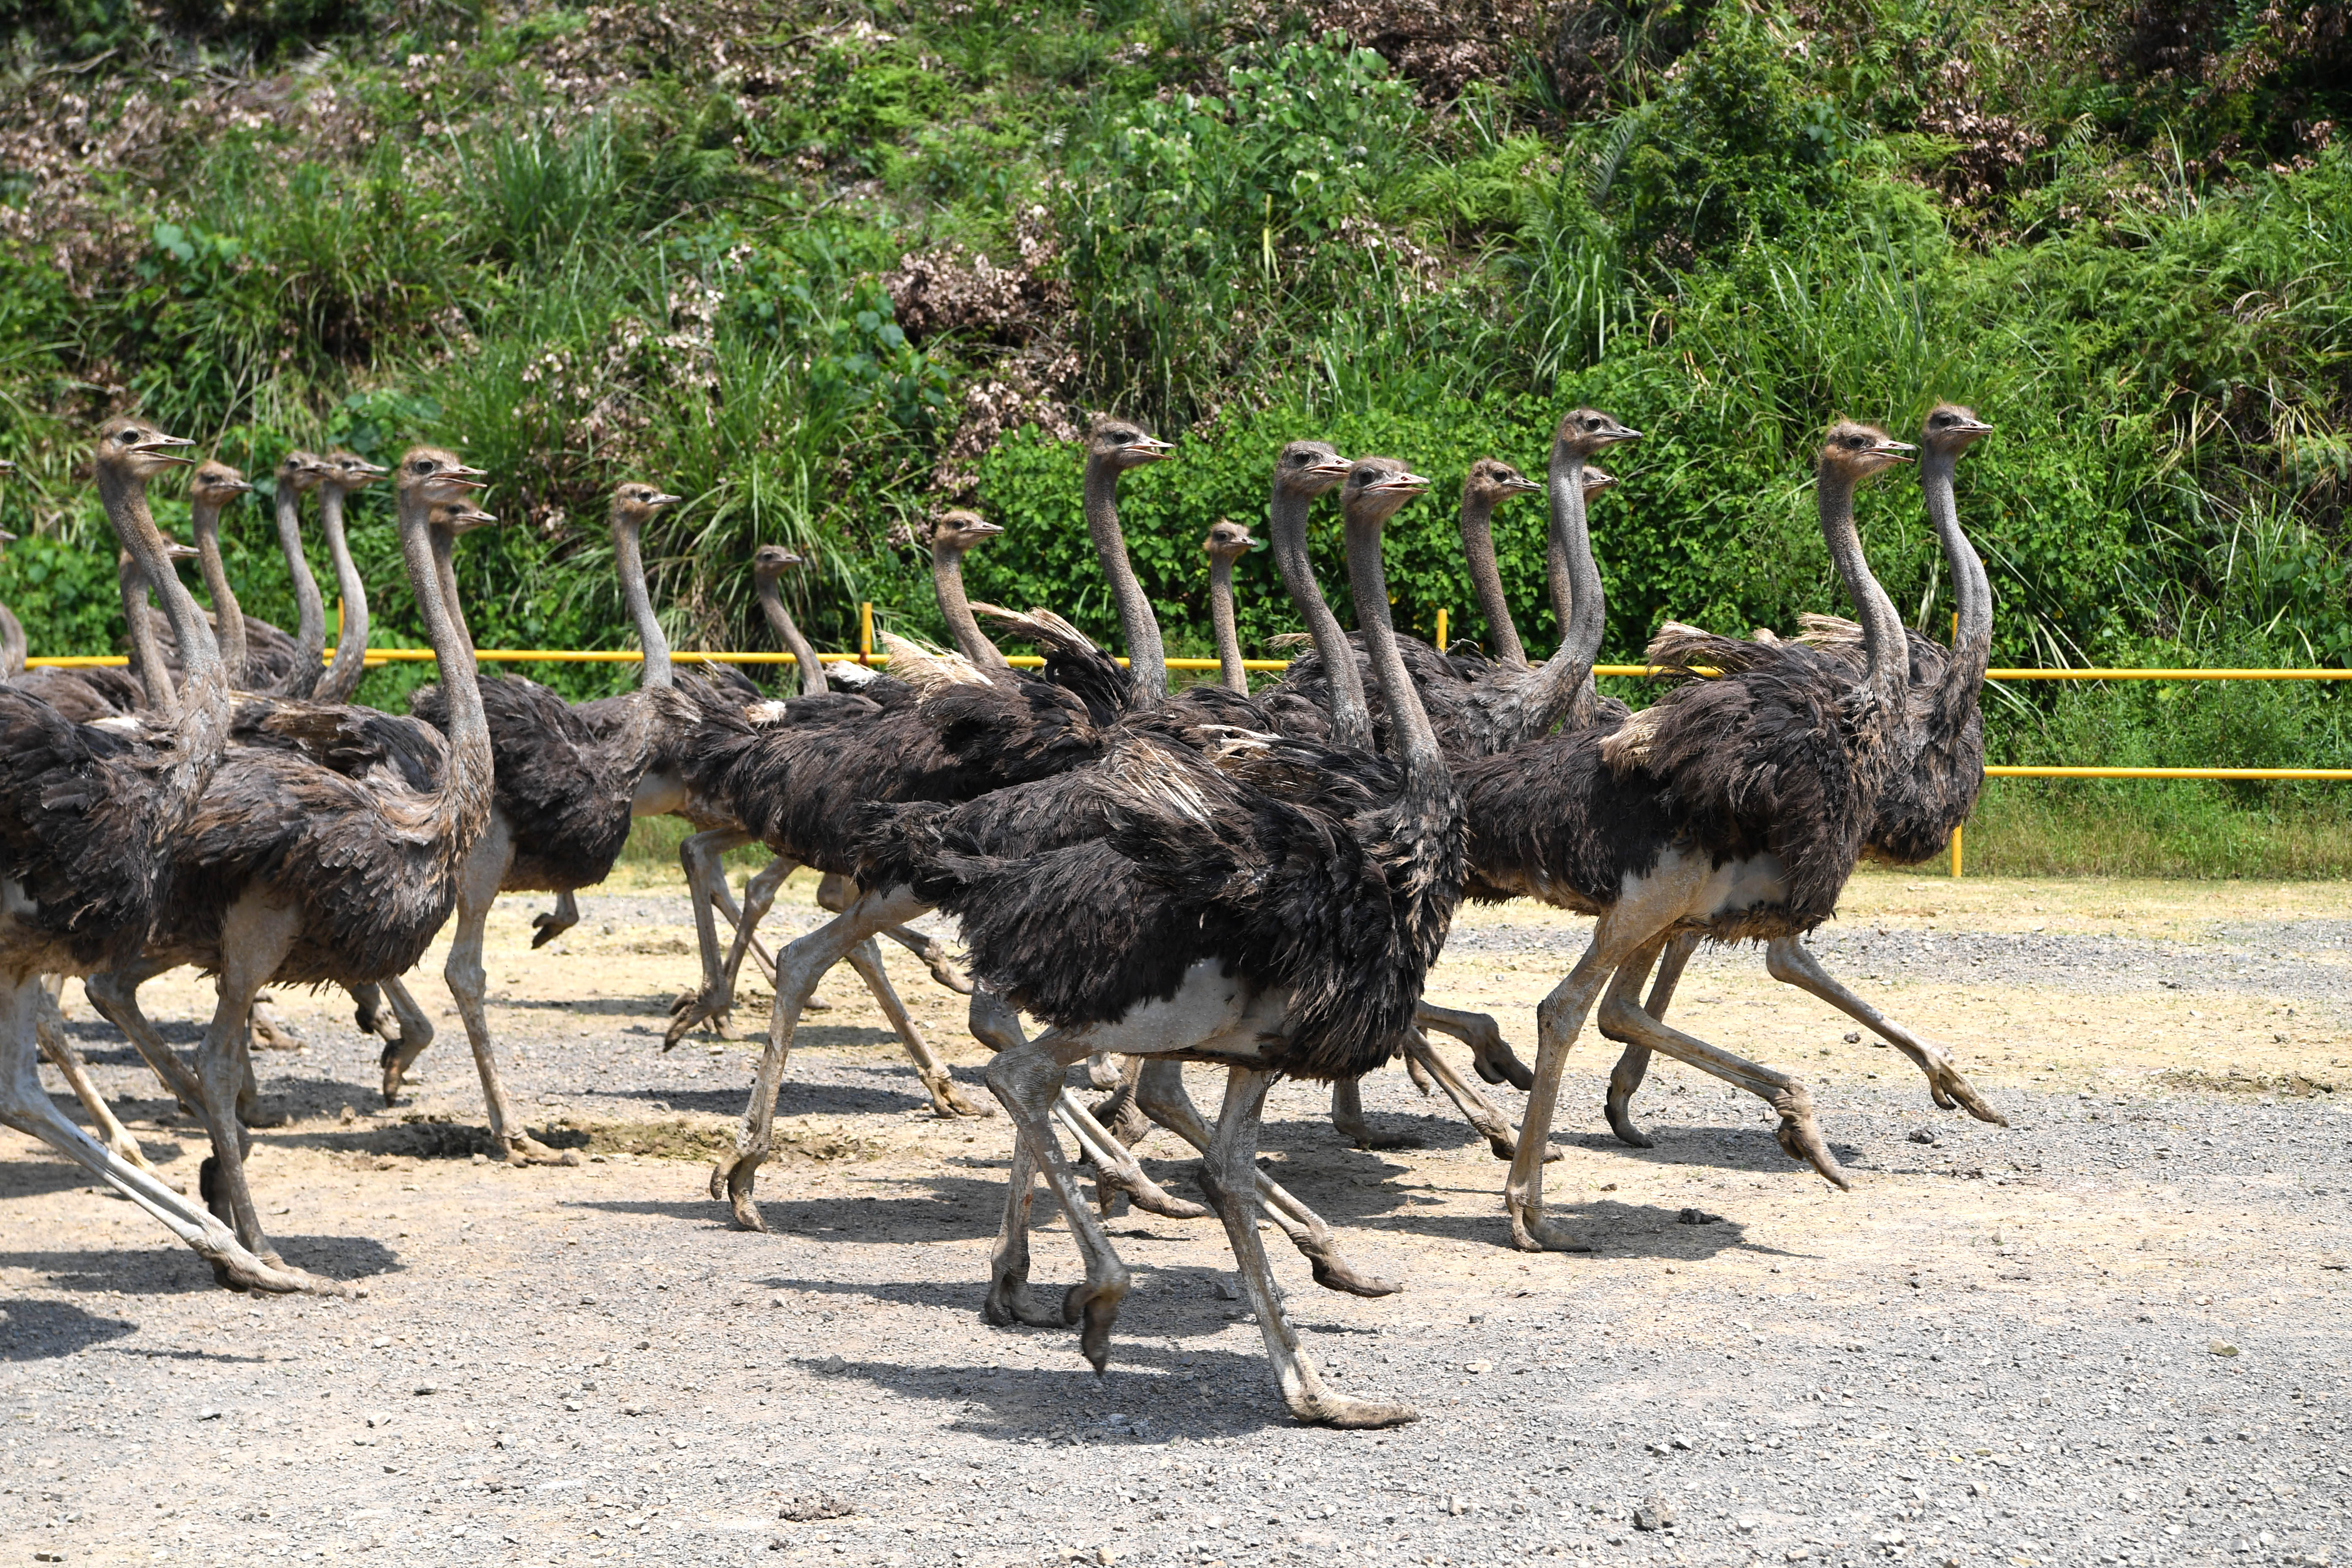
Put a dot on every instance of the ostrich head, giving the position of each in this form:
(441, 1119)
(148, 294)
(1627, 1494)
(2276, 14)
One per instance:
(349, 470)
(1376, 488)
(1587, 431)
(135, 448)
(457, 516)
(959, 530)
(1596, 481)
(770, 562)
(1124, 442)
(1952, 429)
(1493, 482)
(1308, 468)
(435, 476)
(635, 504)
(215, 484)
(1859, 451)
(302, 471)
(1228, 540)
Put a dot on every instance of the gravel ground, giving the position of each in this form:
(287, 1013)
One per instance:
(2114, 1332)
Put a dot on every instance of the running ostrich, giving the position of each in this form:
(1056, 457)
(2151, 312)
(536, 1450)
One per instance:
(88, 817)
(1227, 542)
(1736, 807)
(298, 473)
(800, 790)
(332, 856)
(343, 473)
(558, 817)
(259, 657)
(1268, 905)
(1929, 793)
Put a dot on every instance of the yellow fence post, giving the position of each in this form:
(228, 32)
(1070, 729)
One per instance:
(1956, 849)
(866, 632)
(1440, 629)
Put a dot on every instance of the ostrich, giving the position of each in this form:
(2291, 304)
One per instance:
(299, 472)
(1227, 542)
(88, 817)
(333, 856)
(1297, 481)
(1270, 905)
(1929, 793)
(798, 790)
(1489, 483)
(955, 534)
(560, 815)
(1736, 808)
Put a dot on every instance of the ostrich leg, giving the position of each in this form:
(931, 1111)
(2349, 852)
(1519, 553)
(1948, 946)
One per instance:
(1788, 961)
(1229, 1173)
(413, 1032)
(477, 887)
(799, 967)
(50, 1028)
(699, 856)
(997, 1027)
(1476, 1108)
(255, 940)
(549, 924)
(835, 891)
(946, 1101)
(1490, 1053)
(27, 1108)
(115, 995)
(1160, 1091)
(1026, 1079)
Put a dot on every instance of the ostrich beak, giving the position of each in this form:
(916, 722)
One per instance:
(175, 551)
(666, 499)
(1893, 451)
(1153, 448)
(1519, 484)
(986, 530)
(166, 448)
(364, 469)
(1599, 480)
(245, 487)
(1410, 484)
(1332, 468)
(1976, 428)
(1622, 432)
(466, 478)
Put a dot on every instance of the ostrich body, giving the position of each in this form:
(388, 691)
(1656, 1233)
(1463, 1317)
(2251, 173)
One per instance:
(1268, 906)
(1931, 789)
(88, 817)
(1735, 808)
(331, 857)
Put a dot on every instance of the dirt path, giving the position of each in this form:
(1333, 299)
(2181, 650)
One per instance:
(2116, 1331)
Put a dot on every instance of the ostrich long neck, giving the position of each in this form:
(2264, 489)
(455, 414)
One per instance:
(1409, 729)
(203, 722)
(426, 551)
(342, 676)
(1584, 619)
(309, 610)
(1220, 617)
(947, 581)
(805, 659)
(1972, 643)
(12, 646)
(204, 516)
(146, 656)
(1888, 664)
(1486, 577)
(1147, 660)
(628, 555)
(1351, 715)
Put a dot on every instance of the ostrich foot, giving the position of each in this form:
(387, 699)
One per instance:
(1324, 1408)
(1334, 1272)
(1102, 1071)
(732, 1180)
(1095, 1308)
(1620, 1118)
(693, 1007)
(934, 954)
(1146, 1193)
(1492, 1056)
(1800, 1137)
(1010, 1302)
(1952, 1091)
(546, 926)
(1122, 1117)
(271, 1033)
(1348, 1120)
(522, 1149)
(371, 1015)
(948, 1102)
(1531, 1232)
